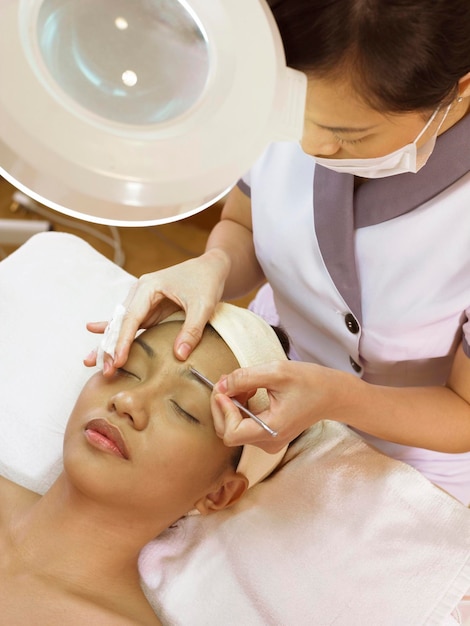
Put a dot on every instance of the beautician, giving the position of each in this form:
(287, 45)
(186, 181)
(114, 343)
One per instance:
(363, 235)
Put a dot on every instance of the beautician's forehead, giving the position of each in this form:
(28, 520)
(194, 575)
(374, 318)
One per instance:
(333, 103)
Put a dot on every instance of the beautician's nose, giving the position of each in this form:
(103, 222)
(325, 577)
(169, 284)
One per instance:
(319, 143)
(130, 405)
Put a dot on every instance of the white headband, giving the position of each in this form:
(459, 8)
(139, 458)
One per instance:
(252, 341)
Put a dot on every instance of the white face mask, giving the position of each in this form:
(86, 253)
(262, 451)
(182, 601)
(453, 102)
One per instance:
(406, 159)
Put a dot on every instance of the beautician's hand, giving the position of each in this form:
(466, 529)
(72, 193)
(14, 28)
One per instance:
(196, 286)
(299, 395)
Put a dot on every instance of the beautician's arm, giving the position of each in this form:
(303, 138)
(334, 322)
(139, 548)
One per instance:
(232, 238)
(227, 269)
(437, 418)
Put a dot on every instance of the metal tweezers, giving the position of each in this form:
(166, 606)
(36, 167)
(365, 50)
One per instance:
(240, 406)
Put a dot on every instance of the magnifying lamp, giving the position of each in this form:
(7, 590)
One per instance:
(140, 112)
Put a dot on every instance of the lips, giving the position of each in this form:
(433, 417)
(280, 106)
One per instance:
(104, 435)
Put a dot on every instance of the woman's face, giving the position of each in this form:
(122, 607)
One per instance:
(145, 439)
(338, 124)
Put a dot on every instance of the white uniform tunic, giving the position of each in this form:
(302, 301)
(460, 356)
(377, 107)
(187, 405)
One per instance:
(373, 281)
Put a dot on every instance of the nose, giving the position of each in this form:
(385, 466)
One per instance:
(130, 405)
(319, 142)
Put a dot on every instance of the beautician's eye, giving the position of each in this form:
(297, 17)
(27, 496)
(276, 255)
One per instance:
(183, 413)
(350, 142)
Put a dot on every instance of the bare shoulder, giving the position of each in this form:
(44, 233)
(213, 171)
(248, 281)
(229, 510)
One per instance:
(13, 497)
(106, 618)
(44, 605)
(141, 616)
(139, 610)
(125, 606)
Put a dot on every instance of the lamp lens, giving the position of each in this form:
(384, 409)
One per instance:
(135, 62)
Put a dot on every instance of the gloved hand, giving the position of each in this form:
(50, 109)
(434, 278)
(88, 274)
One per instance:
(196, 286)
(300, 394)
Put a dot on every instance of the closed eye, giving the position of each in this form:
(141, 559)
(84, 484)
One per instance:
(123, 372)
(183, 413)
(348, 141)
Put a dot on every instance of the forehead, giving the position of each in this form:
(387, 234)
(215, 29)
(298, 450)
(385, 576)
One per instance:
(212, 353)
(335, 100)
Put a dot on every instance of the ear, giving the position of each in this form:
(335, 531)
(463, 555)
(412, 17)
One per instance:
(464, 86)
(231, 490)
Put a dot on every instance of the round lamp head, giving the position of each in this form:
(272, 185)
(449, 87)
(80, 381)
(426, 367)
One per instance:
(139, 112)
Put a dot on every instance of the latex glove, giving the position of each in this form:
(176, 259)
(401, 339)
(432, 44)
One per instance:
(299, 394)
(196, 286)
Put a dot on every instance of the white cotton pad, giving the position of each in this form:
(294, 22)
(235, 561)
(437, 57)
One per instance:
(110, 336)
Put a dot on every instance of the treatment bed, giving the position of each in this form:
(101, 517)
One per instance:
(340, 535)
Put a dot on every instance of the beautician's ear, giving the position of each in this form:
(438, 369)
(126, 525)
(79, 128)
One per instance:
(464, 86)
(232, 489)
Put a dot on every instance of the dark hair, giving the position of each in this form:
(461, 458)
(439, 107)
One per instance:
(400, 55)
(283, 338)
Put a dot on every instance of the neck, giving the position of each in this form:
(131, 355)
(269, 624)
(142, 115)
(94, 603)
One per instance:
(80, 542)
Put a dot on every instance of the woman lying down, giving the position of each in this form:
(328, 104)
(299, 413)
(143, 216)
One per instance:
(140, 451)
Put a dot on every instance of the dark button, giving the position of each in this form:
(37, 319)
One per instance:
(356, 367)
(351, 323)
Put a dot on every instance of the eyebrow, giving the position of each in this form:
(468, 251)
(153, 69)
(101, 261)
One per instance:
(184, 373)
(145, 346)
(187, 373)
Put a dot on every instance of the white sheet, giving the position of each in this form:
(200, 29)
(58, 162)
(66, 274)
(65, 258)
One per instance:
(341, 535)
